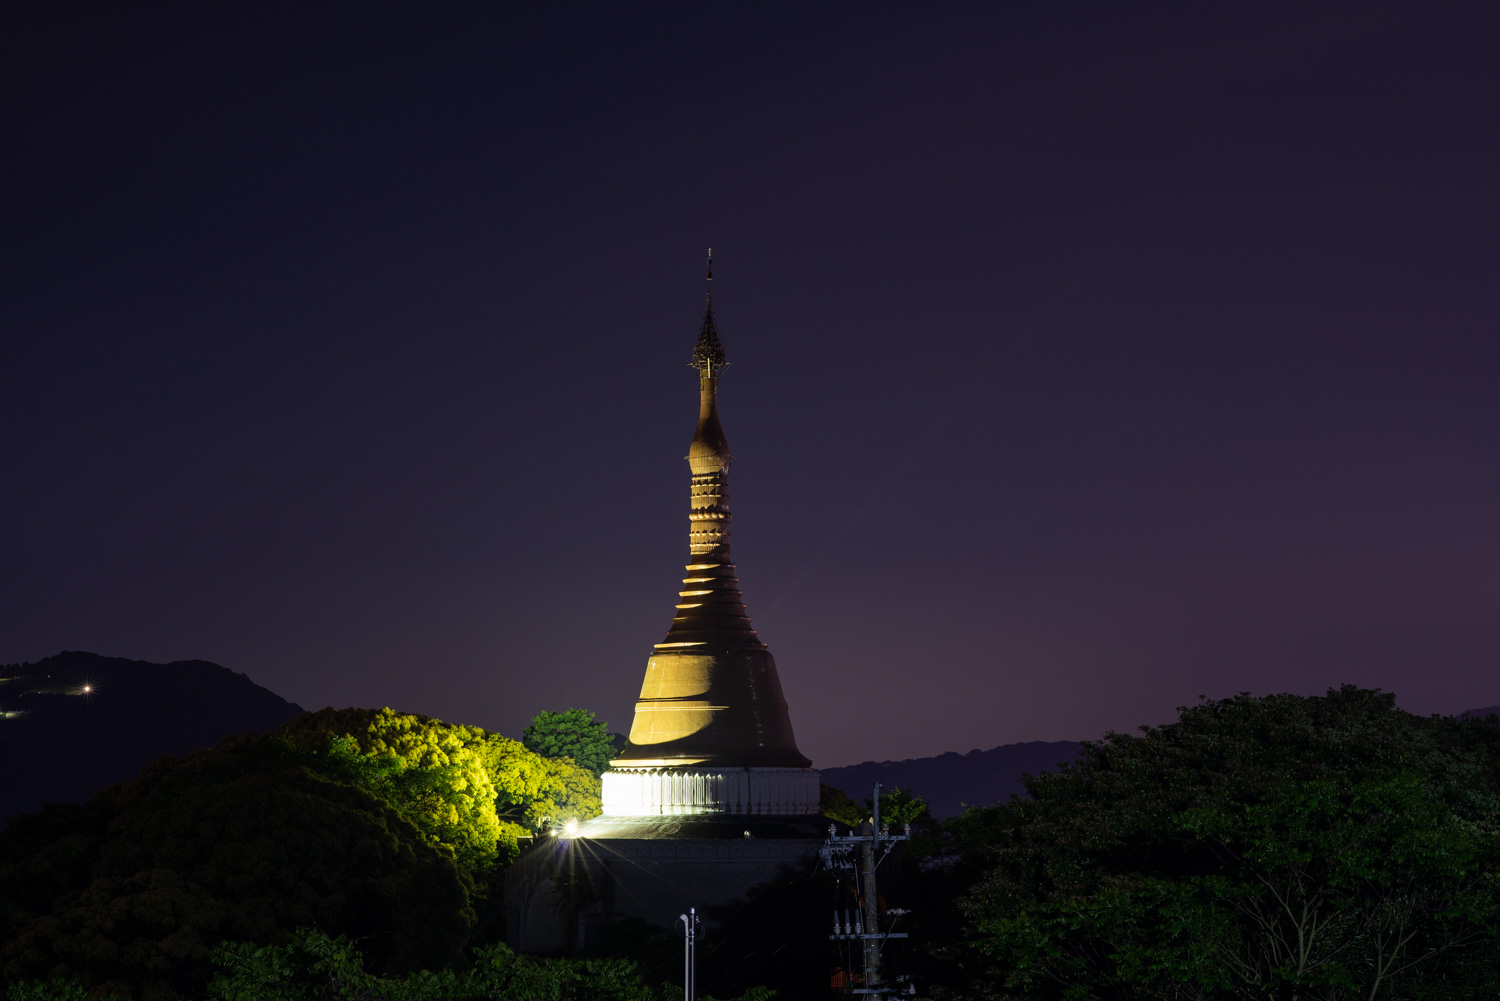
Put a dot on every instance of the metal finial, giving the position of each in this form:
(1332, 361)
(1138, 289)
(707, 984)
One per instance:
(709, 353)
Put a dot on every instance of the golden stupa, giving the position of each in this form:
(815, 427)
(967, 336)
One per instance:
(711, 733)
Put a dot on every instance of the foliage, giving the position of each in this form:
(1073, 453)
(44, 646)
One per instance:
(314, 967)
(1319, 848)
(426, 769)
(474, 792)
(571, 734)
(836, 805)
(242, 841)
(388, 827)
(56, 989)
(897, 807)
(533, 791)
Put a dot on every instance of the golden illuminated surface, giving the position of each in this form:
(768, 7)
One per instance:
(711, 695)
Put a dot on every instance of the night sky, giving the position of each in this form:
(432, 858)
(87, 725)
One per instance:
(1086, 357)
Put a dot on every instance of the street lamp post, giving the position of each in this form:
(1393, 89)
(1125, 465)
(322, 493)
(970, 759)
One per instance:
(690, 924)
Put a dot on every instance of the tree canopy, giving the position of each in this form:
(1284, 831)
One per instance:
(471, 790)
(133, 890)
(838, 806)
(311, 966)
(1281, 847)
(390, 828)
(574, 734)
(898, 806)
(426, 769)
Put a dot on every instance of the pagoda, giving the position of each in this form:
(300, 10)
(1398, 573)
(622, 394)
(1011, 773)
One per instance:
(711, 733)
(710, 797)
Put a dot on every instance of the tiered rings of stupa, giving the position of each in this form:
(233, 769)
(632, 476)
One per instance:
(711, 733)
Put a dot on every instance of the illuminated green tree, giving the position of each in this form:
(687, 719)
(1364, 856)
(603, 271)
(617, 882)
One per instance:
(534, 792)
(427, 769)
(473, 791)
(571, 734)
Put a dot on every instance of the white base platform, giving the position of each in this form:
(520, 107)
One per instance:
(696, 790)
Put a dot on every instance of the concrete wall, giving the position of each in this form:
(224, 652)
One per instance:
(561, 890)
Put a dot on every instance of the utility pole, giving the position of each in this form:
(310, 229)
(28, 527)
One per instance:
(863, 925)
(690, 925)
(867, 852)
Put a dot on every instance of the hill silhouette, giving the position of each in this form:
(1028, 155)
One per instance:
(74, 723)
(950, 781)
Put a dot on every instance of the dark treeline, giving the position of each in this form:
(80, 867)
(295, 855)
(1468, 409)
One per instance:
(1277, 848)
(1285, 847)
(390, 829)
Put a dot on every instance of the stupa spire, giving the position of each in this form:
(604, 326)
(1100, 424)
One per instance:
(708, 355)
(711, 697)
(712, 610)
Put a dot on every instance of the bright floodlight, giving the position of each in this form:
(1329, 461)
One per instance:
(87, 689)
(570, 828)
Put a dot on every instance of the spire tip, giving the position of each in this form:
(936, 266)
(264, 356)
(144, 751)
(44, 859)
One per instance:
(709, 354)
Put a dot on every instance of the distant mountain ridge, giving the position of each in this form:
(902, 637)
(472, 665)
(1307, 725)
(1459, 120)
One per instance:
(949, 782)
(77, 722)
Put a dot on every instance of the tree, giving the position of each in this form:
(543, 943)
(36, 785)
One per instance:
(131, 892)
(312, 966)
(536, 792)
(571, 734)
(836, 805)
(427, 769)
(1284, 847)
(55, 989)
(390, 828)
(898, 807)
(470, 790)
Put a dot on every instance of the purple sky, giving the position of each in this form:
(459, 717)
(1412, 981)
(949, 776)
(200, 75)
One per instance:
(1088, 358)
